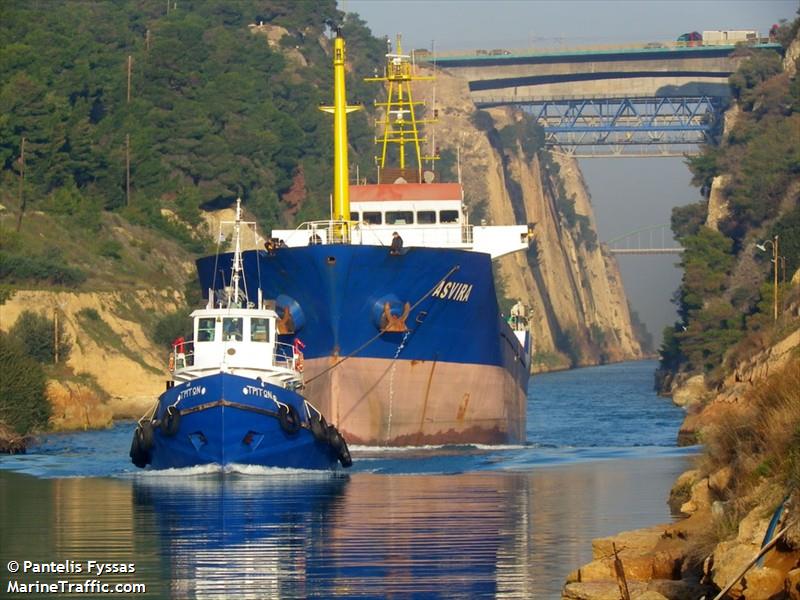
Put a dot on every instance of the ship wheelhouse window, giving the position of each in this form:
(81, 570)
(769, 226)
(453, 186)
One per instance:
(355, 216)
(259, 329)
(232, 329)
(205, 330)
(400, 217)
(426, 217)
(373, 218)
(448, 216)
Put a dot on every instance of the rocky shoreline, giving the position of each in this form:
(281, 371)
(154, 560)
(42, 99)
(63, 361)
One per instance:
(721, 530)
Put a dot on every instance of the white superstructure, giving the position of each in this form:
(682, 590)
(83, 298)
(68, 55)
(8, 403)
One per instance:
(429, 215)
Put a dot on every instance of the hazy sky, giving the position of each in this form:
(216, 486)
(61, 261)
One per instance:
(627, 194)
(470, 24)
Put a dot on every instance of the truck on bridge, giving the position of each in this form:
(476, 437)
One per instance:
(726, 37)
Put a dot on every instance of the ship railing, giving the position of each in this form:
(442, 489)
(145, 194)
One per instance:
(284, 356)
(181, 357)
(328, 232)
(288, 356)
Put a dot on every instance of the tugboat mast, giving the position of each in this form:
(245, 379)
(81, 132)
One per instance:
(237, 255)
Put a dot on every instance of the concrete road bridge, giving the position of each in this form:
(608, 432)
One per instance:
(656, 100)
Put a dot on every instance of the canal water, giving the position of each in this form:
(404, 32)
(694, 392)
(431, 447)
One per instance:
(440, 522)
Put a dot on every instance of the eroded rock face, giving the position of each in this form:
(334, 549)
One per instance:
(694, 391)
(793, 584)
(762, 583)
(76, 406)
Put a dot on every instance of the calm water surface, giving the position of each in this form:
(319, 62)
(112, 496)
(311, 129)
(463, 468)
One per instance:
(447, 522)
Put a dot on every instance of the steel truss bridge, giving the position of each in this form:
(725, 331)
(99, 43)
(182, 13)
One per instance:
(625, 126)
(655, 239)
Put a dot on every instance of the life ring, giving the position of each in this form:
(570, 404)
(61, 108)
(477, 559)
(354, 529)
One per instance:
(289, 419)
(171, 421)
(318, 426)
(339, 444)
(171, 364)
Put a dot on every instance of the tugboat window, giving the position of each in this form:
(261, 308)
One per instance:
(373, 218)
(448, 216)
(259, 330)
(400, 217)
(205, 330)
(426, 217)
(354, 216)
(232, 329)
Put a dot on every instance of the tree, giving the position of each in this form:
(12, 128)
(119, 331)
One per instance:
(36, 335)
(23, 405)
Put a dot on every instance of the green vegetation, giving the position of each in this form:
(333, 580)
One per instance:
(23, 406)
(213, 111)
(722, 301)
(40, 337)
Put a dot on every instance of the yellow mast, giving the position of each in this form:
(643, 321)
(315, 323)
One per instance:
(400, 126)
(341, 190)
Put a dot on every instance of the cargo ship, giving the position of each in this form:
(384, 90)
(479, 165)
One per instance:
(393, 298)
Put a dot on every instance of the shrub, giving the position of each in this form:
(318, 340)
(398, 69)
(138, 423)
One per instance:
(18, 268)
(23, 405)
(110, 249)
(36, 334)
(171, 326)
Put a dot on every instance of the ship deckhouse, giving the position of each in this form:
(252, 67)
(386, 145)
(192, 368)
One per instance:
(405, 200)
(430, 215)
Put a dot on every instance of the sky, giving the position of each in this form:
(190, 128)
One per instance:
(627, 193)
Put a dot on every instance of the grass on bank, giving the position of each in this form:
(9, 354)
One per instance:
(760, 445)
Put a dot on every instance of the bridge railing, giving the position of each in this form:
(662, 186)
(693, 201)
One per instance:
(426, 56)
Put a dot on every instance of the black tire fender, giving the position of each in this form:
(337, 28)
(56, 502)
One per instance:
(171, 421)
(318, 426)
(289, 419)
(145, 433)
(339, 444)
(139, 456)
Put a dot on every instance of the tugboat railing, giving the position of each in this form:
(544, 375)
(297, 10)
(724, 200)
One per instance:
(284, 356)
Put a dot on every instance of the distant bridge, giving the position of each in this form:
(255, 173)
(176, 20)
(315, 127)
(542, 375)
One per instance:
(646, 101)
(655, 239)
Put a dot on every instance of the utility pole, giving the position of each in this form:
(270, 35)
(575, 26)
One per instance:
(147, 40)
(775, 277)
(21, 182)
(55, 335)
(127, 169)
(130, 64)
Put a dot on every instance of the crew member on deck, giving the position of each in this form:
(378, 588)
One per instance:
(397, 244)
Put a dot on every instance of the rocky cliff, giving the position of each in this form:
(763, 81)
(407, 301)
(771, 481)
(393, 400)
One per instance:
(579, 312)
(122, 369)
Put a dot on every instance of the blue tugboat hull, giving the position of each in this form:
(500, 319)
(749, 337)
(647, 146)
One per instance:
(226, 419)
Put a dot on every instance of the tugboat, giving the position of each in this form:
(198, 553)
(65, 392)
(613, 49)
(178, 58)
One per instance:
(234, 394)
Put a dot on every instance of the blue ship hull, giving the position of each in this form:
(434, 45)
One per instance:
(226, 419)
(458, 374)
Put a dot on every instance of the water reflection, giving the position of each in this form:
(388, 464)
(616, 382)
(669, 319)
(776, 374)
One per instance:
(495, 534)
(239, 536)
